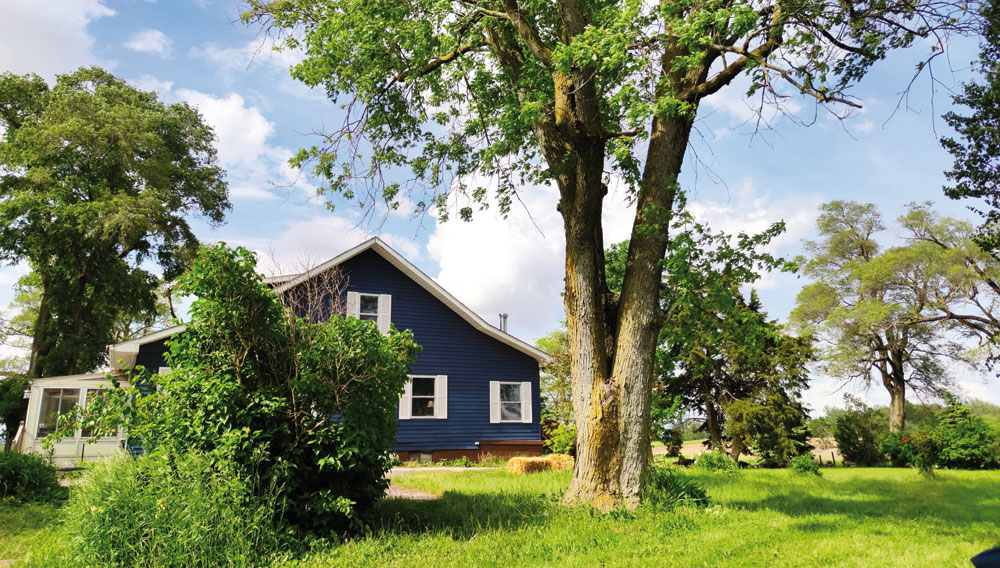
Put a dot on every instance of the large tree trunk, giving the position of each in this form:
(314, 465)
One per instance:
(897, 403)
(612, 344)
(40, 344)
(894, 379)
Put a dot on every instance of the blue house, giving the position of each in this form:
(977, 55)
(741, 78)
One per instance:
(474, 388)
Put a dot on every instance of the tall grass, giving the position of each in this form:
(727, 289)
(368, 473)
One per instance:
(166, 511)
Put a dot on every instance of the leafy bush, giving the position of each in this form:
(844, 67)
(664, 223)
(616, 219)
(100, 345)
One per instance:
(716, 461)
(562, 440)
(773, 428)
(26, 478)
(804, 464)
(666, 487)
(318, 399)
(859, 432)
(966, 441)
(899, 448)
(165, 511)
(926, 451)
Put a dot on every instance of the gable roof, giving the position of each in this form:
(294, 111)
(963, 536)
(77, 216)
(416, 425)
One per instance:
(128, 350)
(379, 246)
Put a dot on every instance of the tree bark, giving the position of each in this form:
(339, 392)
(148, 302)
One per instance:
(897, 403)
(613, 343)
(39, 342)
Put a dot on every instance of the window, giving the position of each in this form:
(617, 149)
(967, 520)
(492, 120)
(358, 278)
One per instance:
(371, 307)
(422, 399)
(368, 307)
(55, 403)
(425, 396)
(510, 402)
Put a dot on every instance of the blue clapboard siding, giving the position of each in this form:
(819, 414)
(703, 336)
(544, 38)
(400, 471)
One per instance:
(451, 346)
(151, 355)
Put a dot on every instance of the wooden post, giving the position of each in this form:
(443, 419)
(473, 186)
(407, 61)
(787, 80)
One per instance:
(833, 459)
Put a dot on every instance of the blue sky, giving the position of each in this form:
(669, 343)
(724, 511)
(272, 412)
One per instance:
(197, 51)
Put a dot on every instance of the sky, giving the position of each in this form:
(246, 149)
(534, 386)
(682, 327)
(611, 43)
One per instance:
(738, 177)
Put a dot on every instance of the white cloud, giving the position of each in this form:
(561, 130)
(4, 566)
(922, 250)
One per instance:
(49, 37)
(233, 62)
(151, 83)
(153, 42)
(313, 241)
(865, 126)
(517, 265)
(242, 130)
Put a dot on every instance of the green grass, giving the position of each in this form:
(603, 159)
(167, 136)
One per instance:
(25, 527)
(847, 517)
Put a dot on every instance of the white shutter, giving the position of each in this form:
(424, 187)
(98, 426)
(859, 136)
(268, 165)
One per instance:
(526, 403)
(384, 313)
(494, 402)
(353, 304)
(441, 396)
(405, 404)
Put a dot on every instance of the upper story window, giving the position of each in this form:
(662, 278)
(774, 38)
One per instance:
(424, 396)
(510, 402)
(371, 307)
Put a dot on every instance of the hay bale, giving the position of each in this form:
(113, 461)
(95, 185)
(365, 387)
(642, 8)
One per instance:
(553, 462)
(560, 461)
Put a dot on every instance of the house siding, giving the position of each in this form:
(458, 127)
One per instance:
(152, 356)
(451, 346)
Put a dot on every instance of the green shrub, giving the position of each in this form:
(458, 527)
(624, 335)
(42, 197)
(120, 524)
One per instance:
(716, 461)
(966, 441)
(666, 487)
(26, 478)
(899, 448)
(167, 511)
(926, 451)
(308, 404)
(804, 464)
(562, 440)
(859, 432)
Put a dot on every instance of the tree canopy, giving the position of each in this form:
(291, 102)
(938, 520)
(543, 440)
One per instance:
(976, 147)
(97, 180)
(482, 97)
(896, 315)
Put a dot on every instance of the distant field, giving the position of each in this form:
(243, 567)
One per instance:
(847, 517)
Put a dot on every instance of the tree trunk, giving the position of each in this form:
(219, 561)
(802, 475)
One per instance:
(713, 426)
(897, 402)
(39, 340)
(612, 344)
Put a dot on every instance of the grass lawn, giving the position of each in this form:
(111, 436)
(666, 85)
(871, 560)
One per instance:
(848, 517)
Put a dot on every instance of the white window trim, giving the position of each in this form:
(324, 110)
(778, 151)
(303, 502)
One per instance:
(440, 398)
(525, 391)
(384, 315)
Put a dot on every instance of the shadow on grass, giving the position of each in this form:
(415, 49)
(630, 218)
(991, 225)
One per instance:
(950, 500)
(463, 515)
